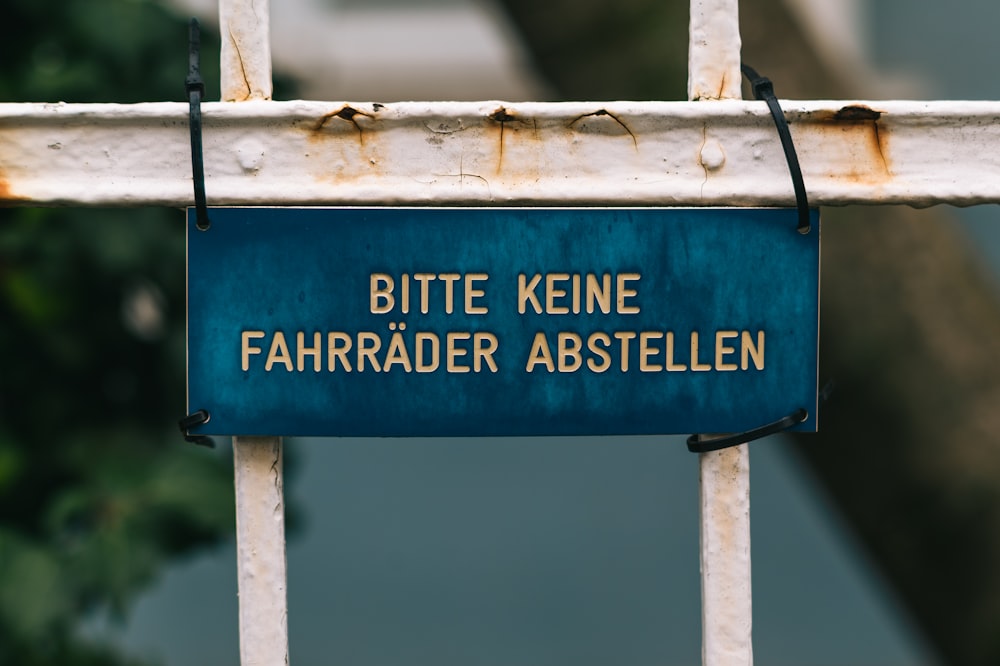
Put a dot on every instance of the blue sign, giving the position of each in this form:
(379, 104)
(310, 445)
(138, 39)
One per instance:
(500, 321)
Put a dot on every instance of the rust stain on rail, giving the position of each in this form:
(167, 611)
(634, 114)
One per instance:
(859, 131)
(349, 159)
(7, 196)
(501, 116)
(856, 113)
(349, 114)
(511, 128)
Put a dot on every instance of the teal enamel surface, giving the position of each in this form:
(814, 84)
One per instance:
(743, 280)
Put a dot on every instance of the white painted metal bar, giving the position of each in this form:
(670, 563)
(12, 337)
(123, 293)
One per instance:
(259, 477)
(714, 51)
(246, 50)
(726, 599)
(724, 483)
(260, 550)
(608, 153)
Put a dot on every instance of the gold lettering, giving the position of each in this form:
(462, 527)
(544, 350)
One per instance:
(695, 365)
(435, 356)
(397, 354)
(483, 347)
(540, 353)
(671, 366)
(624, 337)
(624, 292)
(749, 350)
(382, 300)
(599, 293)
(576, 293)
(645, 351)
(449, 280)
(404, 293)
(526, 292)
(302, 351)
(249, 350)
(424, 279)
(337, 346)
(471, 293)
(278, 353)
(454, 352)
(368, 345)
(569, 346)
(605, 357)
(551, 293)
(721, 350)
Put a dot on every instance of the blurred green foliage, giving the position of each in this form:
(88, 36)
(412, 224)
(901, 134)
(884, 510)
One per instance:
(97, 489)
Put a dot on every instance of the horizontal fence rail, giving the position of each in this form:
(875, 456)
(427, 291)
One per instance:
(469, 153)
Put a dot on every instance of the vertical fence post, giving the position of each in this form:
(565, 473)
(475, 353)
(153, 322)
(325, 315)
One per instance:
(246, 50)
(260, 503)
(260, 551)
(714, 74)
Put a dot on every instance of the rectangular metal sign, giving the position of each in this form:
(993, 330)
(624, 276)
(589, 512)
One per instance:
(500, 321)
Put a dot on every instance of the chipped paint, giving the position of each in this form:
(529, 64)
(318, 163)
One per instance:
(857, 112)
(603, 128)
(501, 116)
(348, 113)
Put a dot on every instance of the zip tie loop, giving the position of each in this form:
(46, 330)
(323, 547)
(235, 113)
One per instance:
(697, 445)
(200, 417)
(763, 90)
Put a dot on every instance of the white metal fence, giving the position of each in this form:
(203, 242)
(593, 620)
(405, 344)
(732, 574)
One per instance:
(716, 151)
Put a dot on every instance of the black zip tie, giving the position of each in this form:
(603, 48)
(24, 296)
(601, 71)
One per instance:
(763, 90)
(196, 90)
(200, 417)
(696, 445)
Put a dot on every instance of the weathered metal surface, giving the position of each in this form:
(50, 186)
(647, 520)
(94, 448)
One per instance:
(621, 153)
(725, 557)
(714, 50)
(714, 79)
(246, 50)
(260, 551)
(418, 322)
(259, 478)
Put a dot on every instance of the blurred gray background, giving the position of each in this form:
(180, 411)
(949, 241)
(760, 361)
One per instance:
(552, 551)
